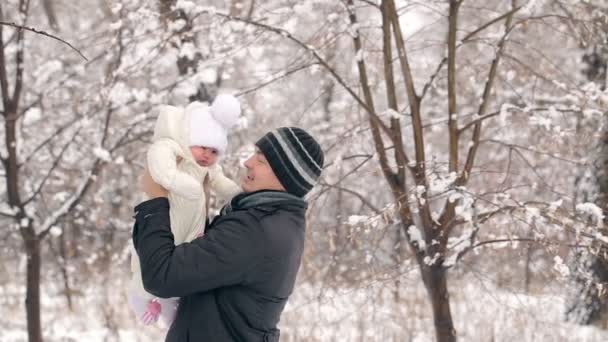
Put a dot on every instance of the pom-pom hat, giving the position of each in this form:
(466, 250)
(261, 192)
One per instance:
(209, 125)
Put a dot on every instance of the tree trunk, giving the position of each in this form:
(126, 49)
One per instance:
(32, 299)
(588, 302)
(62, 260)
(435, 281)
(398, 260)
(527, 269)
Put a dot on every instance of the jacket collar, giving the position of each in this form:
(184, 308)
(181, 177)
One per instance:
(264, 198)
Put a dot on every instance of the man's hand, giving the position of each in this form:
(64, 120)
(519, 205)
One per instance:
(150, 187)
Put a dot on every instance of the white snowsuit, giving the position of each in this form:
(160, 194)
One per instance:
(184, 182)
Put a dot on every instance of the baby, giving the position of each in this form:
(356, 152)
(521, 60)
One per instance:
(182, 158)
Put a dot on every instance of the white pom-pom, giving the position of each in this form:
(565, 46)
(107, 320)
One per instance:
(226, 110)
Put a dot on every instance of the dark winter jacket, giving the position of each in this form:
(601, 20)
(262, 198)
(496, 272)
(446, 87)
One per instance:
(234, 281)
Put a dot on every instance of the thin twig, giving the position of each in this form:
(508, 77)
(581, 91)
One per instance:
(21, 27)
(356, 194)
(7, 215)
(280, 76)
(481, 243)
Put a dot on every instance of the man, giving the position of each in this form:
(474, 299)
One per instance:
(235, 281)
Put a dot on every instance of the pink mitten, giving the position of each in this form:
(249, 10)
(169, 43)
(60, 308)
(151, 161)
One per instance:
(152, 313)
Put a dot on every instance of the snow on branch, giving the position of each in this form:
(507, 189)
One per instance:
(383, 218)
(593, 211)
(7, 215)
(68, 204)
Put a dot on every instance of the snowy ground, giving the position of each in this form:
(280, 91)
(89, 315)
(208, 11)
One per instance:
(481, 313)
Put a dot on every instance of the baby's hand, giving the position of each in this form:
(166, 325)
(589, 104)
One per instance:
(152, 312)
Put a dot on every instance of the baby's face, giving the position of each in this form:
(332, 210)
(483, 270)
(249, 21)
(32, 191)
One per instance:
(204, 156)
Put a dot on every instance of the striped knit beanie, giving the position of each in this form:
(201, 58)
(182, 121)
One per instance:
(295, 158)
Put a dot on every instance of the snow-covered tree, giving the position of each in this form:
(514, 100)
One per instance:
(588, 302)
(492, 96)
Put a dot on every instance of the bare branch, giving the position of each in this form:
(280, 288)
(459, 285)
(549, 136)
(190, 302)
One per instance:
(546, 214)
(20, 54)
(532, 167)
(465, 39)
(52, 168)
(251, 8)
(82, 189)
(452, 105)
(453, 134)
(19, 60)
(7, 215)
(48, 140)
(71, 202)
(400, 156)
(318, 57)
(6, 101)
(486, 242)
(122, 141)
(528, 149)
(374, 121)
(419, 171)
(472, 237)
(477, 121)
(371, 3)
(277, 78)
(356, 194)
(353, 171)
(466, 171)
(414, 100)
(493, 114)
(491, 22)
(20, 27)
(303, 45)
(366, 156)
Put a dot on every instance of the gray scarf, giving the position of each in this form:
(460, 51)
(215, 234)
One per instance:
(263, 198)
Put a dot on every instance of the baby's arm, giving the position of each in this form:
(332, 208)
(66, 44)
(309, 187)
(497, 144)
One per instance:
(162, 163)
(224, 187)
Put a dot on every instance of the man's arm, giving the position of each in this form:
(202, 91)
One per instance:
(223, 257)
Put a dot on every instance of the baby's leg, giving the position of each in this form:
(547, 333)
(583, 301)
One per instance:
(169, 309)
(138, 304)
(146, 307)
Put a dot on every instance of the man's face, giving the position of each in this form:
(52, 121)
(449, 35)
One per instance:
(204, 156)
(259, 175)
